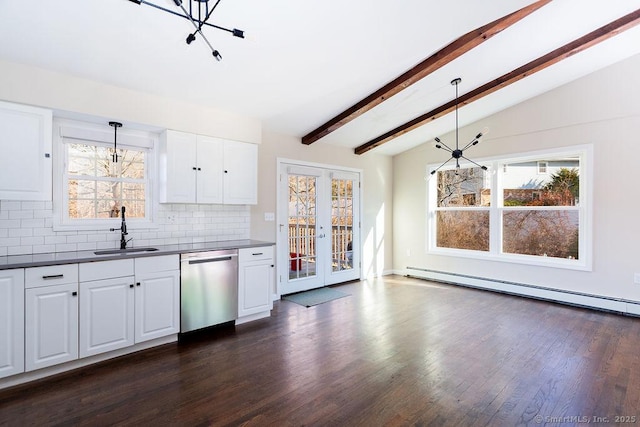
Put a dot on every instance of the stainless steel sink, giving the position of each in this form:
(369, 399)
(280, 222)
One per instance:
(124, 251)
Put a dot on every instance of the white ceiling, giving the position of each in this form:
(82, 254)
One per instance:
(303, 62)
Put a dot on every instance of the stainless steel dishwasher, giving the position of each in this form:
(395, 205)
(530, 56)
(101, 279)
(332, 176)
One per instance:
(208, 289)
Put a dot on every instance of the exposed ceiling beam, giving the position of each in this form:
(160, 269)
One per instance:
(570, 49)
(426, 67)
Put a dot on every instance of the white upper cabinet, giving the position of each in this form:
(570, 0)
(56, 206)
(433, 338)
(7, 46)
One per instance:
(203, 169)
(240, 173)
(25, 144)
(209, 185)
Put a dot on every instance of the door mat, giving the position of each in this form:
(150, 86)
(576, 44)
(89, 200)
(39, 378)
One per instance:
(315, 296)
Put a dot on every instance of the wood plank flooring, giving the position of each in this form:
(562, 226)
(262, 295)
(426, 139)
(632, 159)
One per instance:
(398, 351)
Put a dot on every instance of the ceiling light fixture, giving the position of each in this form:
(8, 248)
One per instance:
(115, 126)
(458, 153)
(198, 14)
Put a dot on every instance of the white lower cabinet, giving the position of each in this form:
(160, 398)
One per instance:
(51, 325)
(11, 322)
(141, 305)
(106, 306)
(106, 315)
(51, 315)
(157, 297)
(255, 281)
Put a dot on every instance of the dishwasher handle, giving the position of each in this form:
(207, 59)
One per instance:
(209, 259)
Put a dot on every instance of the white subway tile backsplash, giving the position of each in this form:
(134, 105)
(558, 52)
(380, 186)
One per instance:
(20, 232)
(38, 249)
(32, 223)
(31, 241)
(25, 206)
(10, 205)
(79, 238)
(66, 247)
(9, 223)
(19, 250)
(27, 227)
(20, 214)
(55, 240)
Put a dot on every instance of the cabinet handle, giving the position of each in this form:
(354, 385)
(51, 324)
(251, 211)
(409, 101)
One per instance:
(131, 285)
(137, 283)
(226, 171)
(54, 276)
(257, 253)
(74, 293)
(194, 168)
(199, 169)
(272, 265)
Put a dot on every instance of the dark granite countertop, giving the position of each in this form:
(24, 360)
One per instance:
(57, 258)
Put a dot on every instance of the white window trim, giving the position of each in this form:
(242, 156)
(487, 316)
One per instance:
(585, 208)
(64, 128)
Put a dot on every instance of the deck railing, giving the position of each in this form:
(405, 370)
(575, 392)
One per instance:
(302, 241)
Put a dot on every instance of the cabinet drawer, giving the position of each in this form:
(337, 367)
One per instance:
(36, 277)
(157, 263)
(255, 254)
(105, 269)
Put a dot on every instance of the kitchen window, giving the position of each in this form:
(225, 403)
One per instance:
(515, 217)
(90, 188)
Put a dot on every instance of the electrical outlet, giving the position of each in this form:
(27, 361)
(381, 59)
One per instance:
(636, 278)
(408, 252)
(171, 219)
(269, 216)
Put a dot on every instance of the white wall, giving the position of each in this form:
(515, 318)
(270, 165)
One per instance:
(57, 91)
(602, 109)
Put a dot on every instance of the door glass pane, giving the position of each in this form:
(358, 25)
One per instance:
(302, 226)
(341, 224)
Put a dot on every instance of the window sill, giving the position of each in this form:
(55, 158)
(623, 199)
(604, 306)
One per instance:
(539, 261)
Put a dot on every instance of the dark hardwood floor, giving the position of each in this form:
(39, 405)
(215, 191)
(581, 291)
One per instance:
(398, 351)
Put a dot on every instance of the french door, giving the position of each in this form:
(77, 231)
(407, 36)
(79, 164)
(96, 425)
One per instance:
(318, 227)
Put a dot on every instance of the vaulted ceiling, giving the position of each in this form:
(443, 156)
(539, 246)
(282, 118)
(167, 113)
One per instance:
(303, 63)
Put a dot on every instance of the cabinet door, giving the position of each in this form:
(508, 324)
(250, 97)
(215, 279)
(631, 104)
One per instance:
(157, 312)
(11, 322)
(255, 282)
(210, 170)
(25, 164)
(177, 167)
(240, 173)
(106, 315)
(51, 325)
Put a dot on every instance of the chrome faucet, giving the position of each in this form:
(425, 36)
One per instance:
(123, 230)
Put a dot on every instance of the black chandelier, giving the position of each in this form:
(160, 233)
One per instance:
(198, 13)
(458, 153)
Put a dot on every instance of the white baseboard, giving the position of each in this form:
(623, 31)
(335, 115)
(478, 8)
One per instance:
(253, 317)
(538, 292)
(78, 363)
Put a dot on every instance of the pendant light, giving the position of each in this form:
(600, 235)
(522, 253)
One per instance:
(115, 126)
(198, 13)
(458, 153)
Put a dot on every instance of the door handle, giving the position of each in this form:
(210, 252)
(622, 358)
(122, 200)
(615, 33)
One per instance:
(320, 236)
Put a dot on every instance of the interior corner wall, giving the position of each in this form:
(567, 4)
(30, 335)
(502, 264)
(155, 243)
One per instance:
(597, 109)
(376, 193)
(85, 98)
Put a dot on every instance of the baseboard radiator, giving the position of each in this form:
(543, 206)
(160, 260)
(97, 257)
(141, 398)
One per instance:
(597, 302)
